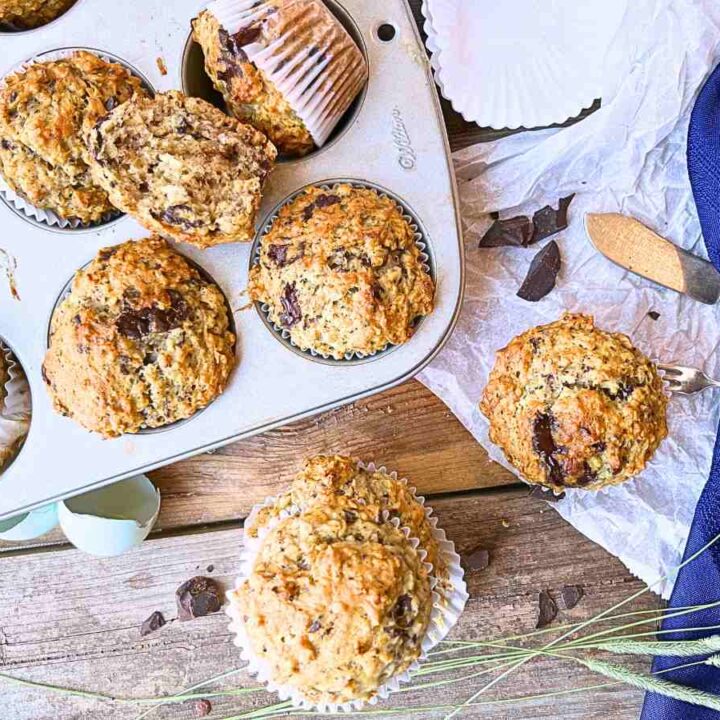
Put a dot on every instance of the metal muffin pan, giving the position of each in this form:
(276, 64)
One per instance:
(396, 140)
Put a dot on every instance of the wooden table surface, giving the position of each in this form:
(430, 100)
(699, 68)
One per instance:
(72, 620)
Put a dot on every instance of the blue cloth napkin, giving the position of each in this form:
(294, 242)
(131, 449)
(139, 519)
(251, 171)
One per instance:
(699, 581)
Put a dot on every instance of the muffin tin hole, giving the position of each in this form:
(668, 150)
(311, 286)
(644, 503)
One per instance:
(16, 203)
(385, 32)
(421, 240)
(11, 28)
(15, 408)
(197, 83)
(231, 325)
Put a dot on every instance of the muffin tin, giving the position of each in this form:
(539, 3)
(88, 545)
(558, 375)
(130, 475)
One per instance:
(393, 138)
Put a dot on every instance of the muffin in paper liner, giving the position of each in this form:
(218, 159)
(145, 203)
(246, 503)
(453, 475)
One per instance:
(16, 201)
(421, 243)
(305, 53)
(15, 408)
(448, 602)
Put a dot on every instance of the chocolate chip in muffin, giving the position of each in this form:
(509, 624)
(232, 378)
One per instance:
(544, 445)
(541, 276)
(198, 597)
(292, 313)
(136, 324)
(278, 254)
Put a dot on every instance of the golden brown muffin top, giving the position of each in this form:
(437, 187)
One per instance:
(571, 405)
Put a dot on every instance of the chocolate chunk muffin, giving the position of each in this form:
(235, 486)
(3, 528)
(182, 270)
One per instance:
(28, 14)
(340, 270)
(182, 168)
(574, 406)
(336, 604)
(142, 340)
(288, 68)
(337, 479)
(45, 109)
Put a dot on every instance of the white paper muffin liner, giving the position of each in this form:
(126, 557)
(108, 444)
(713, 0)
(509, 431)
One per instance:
(449, 599)
(283, 334)
(46, 216)
(15, 409)
(319, 80)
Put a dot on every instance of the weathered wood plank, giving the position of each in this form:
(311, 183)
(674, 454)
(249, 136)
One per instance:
(73, 620)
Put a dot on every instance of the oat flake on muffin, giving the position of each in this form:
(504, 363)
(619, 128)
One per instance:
(341, 271)
(45, 109)
(141, 340)
(336, 604)
(571, 405)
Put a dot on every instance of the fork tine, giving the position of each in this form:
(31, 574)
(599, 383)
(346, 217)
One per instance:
(670, 370)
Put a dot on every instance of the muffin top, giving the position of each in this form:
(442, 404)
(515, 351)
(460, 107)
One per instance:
(249, 94)
(340, 270)
(181, 167)
(142, 340)
(571, 405)
(45, 110)
(27, 14)
(336, 604)
(337, 479)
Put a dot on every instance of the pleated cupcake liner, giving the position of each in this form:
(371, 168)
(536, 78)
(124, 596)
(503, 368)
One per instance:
(448, 602)
(283, 334)
(15, 409)
(320, 79)
(46, 216)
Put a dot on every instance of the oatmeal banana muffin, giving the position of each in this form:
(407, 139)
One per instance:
(182, 168)
(45, 109)
(571, 405)
(308, 43)
(27, 14)
(340, 271)
(339, 480)
(142, 340)
(336, 604)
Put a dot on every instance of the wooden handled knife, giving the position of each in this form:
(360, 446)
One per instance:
(633, 246)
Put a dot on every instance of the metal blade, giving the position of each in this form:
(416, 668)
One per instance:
(633, 246)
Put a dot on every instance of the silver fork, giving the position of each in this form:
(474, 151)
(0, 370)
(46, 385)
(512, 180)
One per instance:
(685, 380)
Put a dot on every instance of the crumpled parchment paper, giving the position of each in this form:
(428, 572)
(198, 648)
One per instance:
(627, 157)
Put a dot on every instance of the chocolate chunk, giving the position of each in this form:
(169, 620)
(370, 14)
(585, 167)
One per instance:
(202, 708)
(653, 314)
(232, 52)
(587, 476)
(570, 596)
(547, 221)
(278, 254)
(153, 623)
(314, 626)
(599, 446)
(247, 35)
(5, 144)
(477, 560)
(547, 610)
(111, 103)
(136, 324)
(106, 253)
(542, 274)
(176, 215)
(512, 232)
(401, 611)
(350, 516)
(625, 390)
(198, 597)
(292, 314)
(539, 492)
(321, 201)
(544, 445)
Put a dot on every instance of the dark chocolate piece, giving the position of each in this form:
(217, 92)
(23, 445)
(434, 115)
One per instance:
(198, 597)
(175, 215)
(278, 254)
(314, 626)
(402, 611)
(653, 314)
(541, 276)
(136, 324)
(570, 596)
(547, 610)
(512, 232)
(292, 313)
(544, 445)
(547, 221)
(153, 623)
(477, 560)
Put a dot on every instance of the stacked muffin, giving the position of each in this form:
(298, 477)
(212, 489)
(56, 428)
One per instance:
(338, 600)
(574, 406)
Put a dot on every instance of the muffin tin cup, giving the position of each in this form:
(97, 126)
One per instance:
(319, 81)
(421, 242)
(15, 408)
(449, 599)
(44, 217)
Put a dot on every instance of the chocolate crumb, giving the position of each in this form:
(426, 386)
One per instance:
(541, 276)
(209, 568)
(653, 314)
(539, 492)
(547, 610)
(570, 596)
(477, 560)
(512, 232)
(153, 623)
(547, 221)
(314, 626)
(278, 254)
(198, 597)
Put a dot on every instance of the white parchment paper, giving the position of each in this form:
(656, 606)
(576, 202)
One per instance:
(628, 157)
